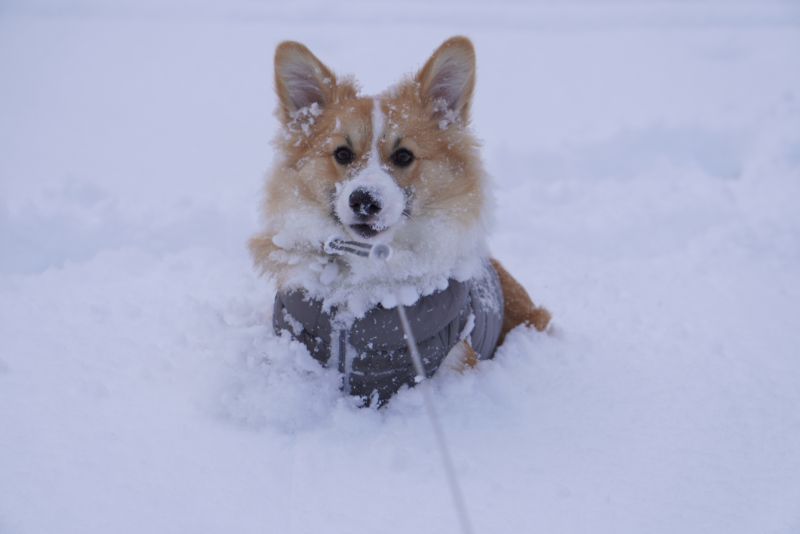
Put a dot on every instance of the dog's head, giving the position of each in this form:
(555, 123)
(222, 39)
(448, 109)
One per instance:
(397, 167)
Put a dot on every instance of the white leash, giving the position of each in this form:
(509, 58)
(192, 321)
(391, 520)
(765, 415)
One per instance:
(444, 451)
(382, 253)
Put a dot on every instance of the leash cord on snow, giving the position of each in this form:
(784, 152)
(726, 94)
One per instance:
(444, 451)
(382, 252)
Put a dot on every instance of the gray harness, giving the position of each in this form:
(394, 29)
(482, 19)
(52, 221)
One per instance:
(372, 354)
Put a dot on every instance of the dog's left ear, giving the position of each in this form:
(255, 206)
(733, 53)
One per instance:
(448, 78)
(301, 80)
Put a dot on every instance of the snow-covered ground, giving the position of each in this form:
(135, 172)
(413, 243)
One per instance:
(646, 158)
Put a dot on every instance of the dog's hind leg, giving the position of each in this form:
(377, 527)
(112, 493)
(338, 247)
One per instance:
(519, 308)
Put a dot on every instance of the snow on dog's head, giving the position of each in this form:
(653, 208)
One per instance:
(400, 168)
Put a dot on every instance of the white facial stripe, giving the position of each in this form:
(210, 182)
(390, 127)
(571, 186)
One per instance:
(377, 126)
(374, 157)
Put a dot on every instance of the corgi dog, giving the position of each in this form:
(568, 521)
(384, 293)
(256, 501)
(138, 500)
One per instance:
(401, 169)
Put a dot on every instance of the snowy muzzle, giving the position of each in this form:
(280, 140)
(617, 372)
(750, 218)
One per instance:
(369, 204)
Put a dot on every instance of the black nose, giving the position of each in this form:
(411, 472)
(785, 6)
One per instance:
(363, 203)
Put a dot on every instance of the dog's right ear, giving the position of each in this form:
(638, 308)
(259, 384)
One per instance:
(448, 79)
(301, 79)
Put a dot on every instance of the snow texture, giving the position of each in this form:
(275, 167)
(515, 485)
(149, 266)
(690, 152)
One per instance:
(646, 166)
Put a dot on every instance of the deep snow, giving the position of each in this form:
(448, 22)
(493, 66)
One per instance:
(646, 160)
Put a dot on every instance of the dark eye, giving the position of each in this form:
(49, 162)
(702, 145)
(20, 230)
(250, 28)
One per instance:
(343, 155)
(402, 157)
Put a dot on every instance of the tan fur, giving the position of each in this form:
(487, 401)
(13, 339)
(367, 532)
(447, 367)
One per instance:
(447, 174)
(462, 357)
(519, 308)
(470, 356)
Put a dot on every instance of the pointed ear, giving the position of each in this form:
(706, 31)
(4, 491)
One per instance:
(301, 79)
(448, 78)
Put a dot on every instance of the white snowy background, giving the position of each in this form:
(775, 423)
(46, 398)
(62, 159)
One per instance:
(646, 160)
